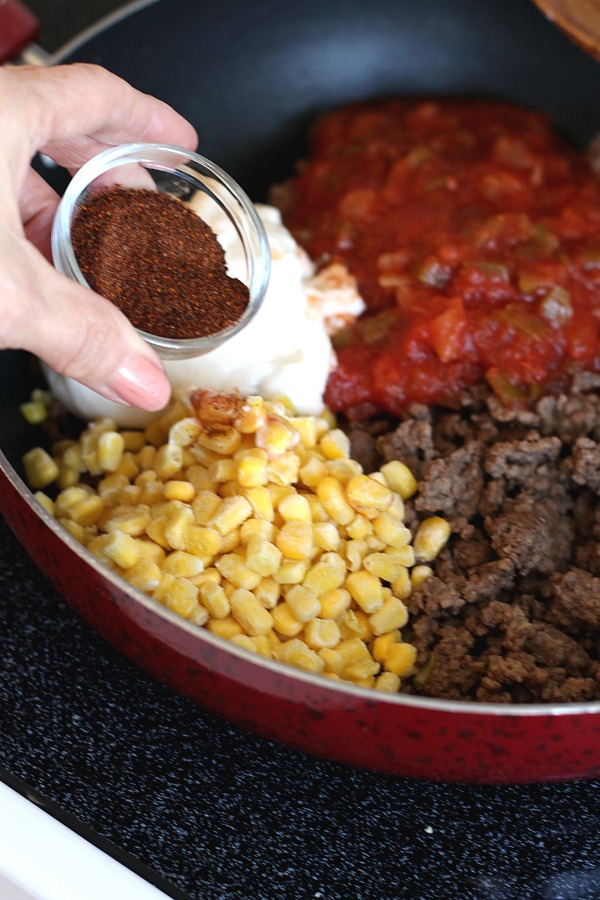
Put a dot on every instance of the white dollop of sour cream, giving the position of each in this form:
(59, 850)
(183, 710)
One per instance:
(284, 350)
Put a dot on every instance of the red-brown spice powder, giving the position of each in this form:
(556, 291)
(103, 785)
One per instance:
(158, 261)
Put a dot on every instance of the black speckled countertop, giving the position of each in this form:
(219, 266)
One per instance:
(205, 810)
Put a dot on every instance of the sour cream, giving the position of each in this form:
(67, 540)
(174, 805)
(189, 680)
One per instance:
(284, 350)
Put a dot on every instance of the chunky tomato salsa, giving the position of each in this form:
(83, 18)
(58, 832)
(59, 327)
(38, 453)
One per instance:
(473, 231)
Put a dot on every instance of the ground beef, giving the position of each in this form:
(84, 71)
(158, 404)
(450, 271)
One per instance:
(512, 612)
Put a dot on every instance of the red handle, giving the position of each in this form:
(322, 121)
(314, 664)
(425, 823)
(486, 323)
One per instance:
(18, 28)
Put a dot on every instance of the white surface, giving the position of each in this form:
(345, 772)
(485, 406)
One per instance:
(41, 859)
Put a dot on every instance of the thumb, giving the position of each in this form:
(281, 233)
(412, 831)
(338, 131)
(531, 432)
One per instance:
(79, 334)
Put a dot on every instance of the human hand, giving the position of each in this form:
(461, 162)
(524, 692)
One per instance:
(70, 113)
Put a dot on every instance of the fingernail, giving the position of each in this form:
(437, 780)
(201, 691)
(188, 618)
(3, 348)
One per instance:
(140, 382)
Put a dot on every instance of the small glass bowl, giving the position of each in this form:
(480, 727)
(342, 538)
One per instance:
(185, 175)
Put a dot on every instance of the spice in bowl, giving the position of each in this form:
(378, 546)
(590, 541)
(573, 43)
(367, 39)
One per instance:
(158, 261)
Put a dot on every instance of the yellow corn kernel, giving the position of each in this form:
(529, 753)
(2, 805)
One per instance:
(294, 508)
(219, 438)
(87, 511)
(235, 569)
(365, 493)
(303, 603)
(256, 528)
(296, 653)
(45, 501)
(200, 477)
(399, 478)
(344, 469)
(397, 508)
(131, 494)
(261, 501)
(179, 490)
(284, 469)
(326, 536)
(132, 440)
(144, 575)
(391, 530)
(393, 614)
(431, 536)
(67, 477)
(353, 650)
(284, 621)
(387, 682)
(402, 587)
(276, 436)
(263, 556)
(111, 447)
(230, 514)
(155, 529)
(110, 486)
(71, 456)
(295, 540)
(202, 542)
(97, 544)
(122, 549)
(178, 595)
(243, 640)
(420, 574)
(168, 461)
(75, 529)
(132, 520)
(381, 644)
(355, 553)
(250, 613)
(252, 468)
(204, 505)
(145, 458)
(184, 432)
(333, 663)
(225, 628)
(335, 444)
(150, 551)
(209, 574)
(355, 623)
(291, 571)
(182, 564)
(321, 633)
(382, 565)
(214, 598)
(127, 466)
(400, 659)
(69, 497)
(334, 603)
(361, 671)
(250, 415)
(332, 495)
(267, 592)
(40, 469)
(327, 574)
(179, 522)
(222, 470)
(33, 412)
(313, 471)
(360, 528)
(307, 430)
(318, 513)
(365, 590)
(405, 556)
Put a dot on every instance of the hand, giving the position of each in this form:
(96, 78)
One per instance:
(70, 113)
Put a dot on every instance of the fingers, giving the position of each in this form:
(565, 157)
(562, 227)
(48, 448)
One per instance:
(73, 111)
(77, 332)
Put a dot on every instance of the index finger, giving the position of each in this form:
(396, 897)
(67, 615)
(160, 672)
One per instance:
(52, 109)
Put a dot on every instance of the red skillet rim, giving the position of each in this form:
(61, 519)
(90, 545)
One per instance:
(316, 681)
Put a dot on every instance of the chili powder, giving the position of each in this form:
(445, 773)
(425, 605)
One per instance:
(158, 261)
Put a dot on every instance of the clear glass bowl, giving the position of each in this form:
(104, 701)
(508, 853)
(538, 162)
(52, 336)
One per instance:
(218, 199)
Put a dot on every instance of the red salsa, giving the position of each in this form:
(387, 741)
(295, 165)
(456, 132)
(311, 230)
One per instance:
(473, 231)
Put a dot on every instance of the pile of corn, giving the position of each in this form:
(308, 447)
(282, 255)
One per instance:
(256, 524)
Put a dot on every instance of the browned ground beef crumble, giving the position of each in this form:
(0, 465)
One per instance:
(512, 613)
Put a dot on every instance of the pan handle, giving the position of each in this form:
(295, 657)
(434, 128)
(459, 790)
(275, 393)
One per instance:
(18, 29)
